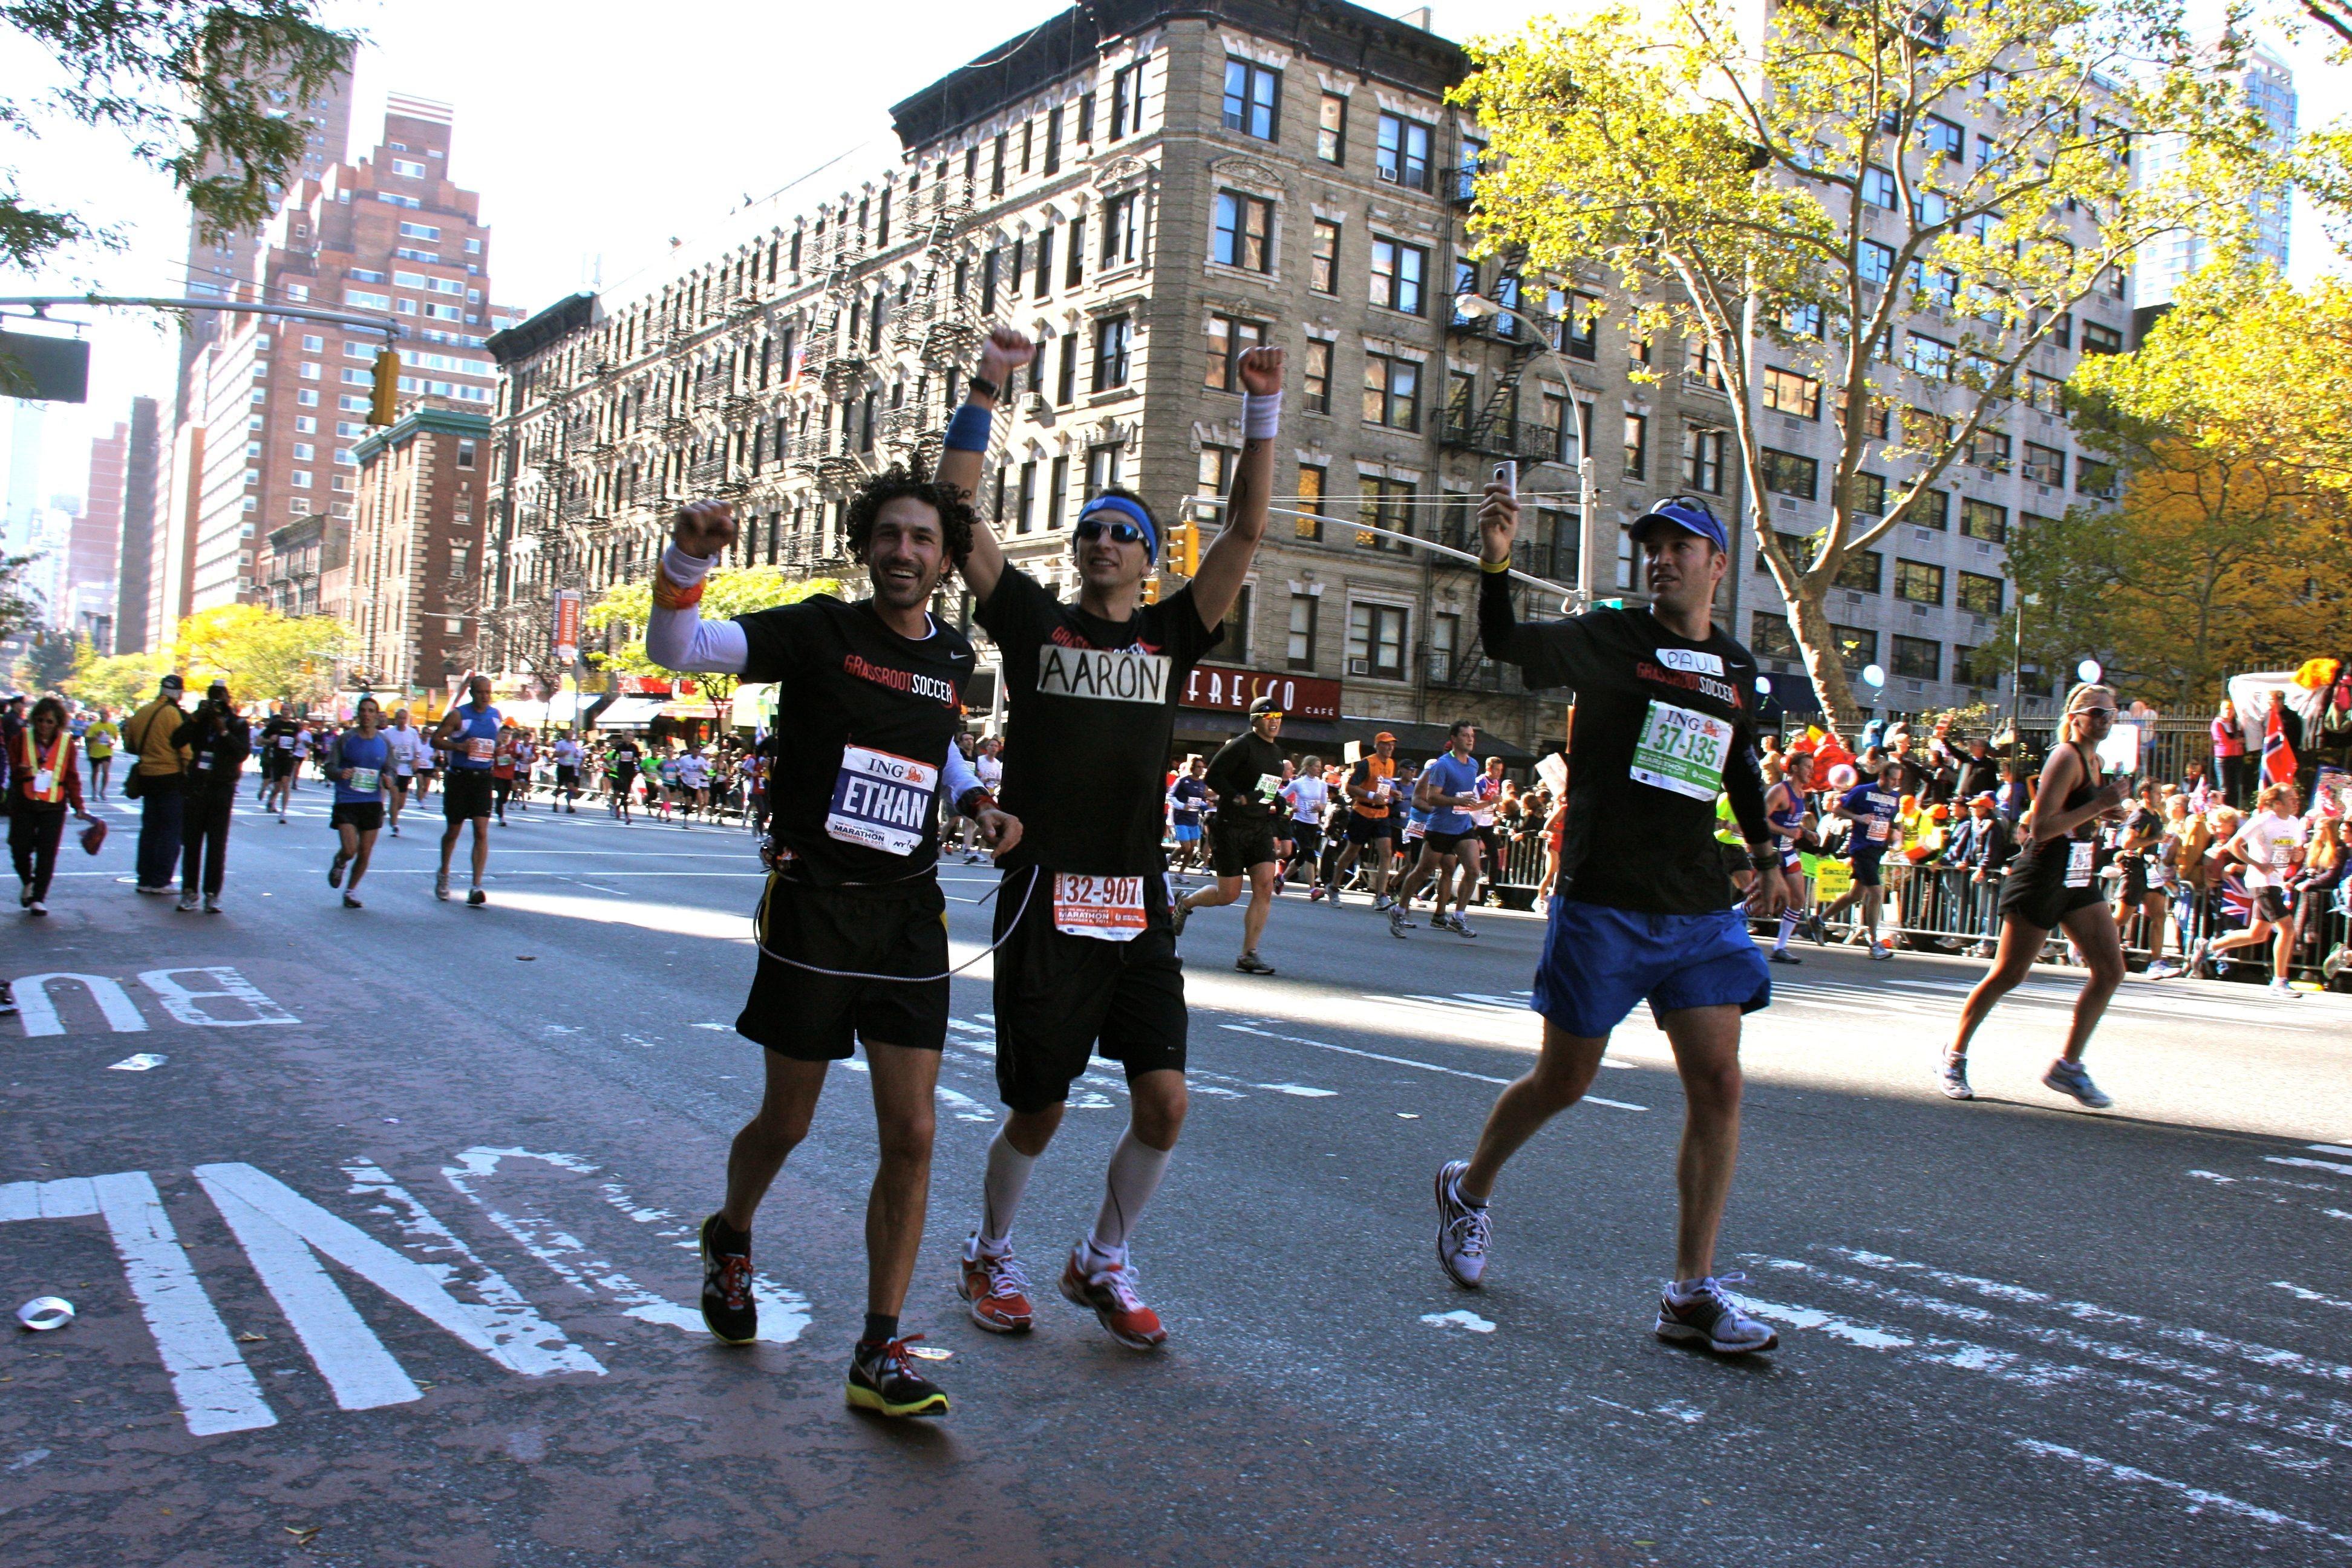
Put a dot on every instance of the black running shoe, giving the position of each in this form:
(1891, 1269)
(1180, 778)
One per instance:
(883, 1379)
(727, 1308)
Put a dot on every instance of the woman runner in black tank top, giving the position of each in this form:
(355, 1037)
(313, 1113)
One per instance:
(2054, 883)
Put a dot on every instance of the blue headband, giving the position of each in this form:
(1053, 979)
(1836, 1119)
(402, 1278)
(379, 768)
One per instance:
(1133, 513)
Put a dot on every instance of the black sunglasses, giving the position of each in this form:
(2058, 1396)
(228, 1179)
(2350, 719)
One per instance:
(1121, 533)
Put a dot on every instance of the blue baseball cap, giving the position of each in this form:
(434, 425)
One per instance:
(1690, 516)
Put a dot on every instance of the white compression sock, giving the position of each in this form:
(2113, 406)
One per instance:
(1135, 1168)
(1788, 930)
(1007, 1179)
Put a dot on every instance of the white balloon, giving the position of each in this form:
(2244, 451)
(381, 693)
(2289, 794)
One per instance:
(1874, 675)
(1764, 684)
(2089, 671)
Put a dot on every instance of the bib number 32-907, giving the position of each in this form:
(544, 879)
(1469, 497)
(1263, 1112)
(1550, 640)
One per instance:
(1109, 908)
(882, 801)
(1682, 750)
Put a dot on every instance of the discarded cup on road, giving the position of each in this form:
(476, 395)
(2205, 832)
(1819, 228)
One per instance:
(43, 1313)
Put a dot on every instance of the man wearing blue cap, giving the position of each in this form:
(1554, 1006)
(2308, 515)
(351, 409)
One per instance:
(1665, 707)
(1086, 958)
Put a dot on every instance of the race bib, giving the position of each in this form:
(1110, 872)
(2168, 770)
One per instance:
(1682, 750)
(203, 761)
(2281, 856)
(1269, 785)
(285, 742)
(479, 750)
(1878, 825)
(882, 801)
(2078, 862)
(1108, 908)
(366, 780)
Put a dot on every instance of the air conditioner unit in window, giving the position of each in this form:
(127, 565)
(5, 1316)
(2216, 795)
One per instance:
(1852, 597)
(1360, 667)
(1918, 612)
(1924, 535)
(1983, 548)
(1389, 175)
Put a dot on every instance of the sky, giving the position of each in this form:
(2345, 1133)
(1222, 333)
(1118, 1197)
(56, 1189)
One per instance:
(597, 134)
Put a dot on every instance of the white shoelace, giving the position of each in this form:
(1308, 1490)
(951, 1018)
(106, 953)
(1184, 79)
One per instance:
(1005, 1275)
(1471, 1232)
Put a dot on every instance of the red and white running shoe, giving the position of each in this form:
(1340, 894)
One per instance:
(998, 1289)
(1107, 1290)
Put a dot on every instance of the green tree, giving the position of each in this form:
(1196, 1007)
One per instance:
(18, 608)
(1788, 196)
(260, 653)
(50, 660)
(119, 680)
(207, 91)
(624, 607)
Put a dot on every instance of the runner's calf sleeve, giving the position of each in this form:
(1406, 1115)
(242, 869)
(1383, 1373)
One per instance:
(1000, 1190)
(1788, 928)
(1134, 1175)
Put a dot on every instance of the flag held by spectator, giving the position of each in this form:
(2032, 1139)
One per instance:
(2278, 757)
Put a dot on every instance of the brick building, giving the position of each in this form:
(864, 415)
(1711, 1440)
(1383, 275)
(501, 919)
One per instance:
(416, 548)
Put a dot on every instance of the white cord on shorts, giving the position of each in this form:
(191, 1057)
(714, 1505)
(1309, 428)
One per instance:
(914, 979)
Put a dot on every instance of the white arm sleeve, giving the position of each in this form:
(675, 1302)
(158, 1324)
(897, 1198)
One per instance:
(682, 640)
(957, 778)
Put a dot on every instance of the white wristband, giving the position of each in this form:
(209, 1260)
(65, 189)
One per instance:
(1260, 416)
(685, 570)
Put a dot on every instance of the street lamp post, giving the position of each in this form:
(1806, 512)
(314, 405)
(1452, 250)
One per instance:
(1478, 307)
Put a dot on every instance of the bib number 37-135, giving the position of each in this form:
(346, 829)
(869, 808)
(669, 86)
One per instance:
(882, 801)
(1108, 908)
(1682, 750)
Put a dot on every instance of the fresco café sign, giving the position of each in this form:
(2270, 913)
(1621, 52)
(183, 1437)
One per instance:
(1233, 690)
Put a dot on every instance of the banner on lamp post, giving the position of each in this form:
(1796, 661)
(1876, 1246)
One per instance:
(567, 625)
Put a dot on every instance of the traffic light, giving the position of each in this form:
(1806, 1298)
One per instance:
(1185, 549)
(384, 408)
(1152, 589)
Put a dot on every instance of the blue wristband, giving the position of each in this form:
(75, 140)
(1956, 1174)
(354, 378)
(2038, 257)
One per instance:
(968, 431)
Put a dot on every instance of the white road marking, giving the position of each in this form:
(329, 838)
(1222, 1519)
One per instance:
(141, 1061)
(1408, 1062)
(965, 1107)
(2300, 1294)
(1458, 1319)
(40, 1014)
(2335, 1166)
(2198, 1498)
(180, 1001)
(2329, 1149)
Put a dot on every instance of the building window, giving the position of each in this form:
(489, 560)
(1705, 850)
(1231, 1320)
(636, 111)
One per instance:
(1629, 560)
(1800, 396)
(1919, 582)
(1399, 273)
(1878, 188)
(1111, 353)
(1323, 261)
(1119, 230)
(1705, 366)
(1874, 262)
(465, 452)
(1312, 480)
(1391, 392)
(996, 167)
(1125, 106)
(2045, 465)
(1983, 519)
(1637, 446)
(1403, 156)
(1384, 503)
(1376, 640)
(1214, 474)
(2093, 477)
(1918, 659)
(1703, 460)
(1769, 636)
(1980, 594)
(1045, 264)
(1066, 387)
(1318, 376)
(1244, 231)
(1058, 493)
(2100, 340)
(1053, 139)
(1229, 339)
(1298, 651)
(1331, 129)
(1857, 646)
(1931, 358)
(1025, 517)
(1102, 470)
(1863, 570)
(1444, 643)
(1989, 450)
(1786, 474)
(1252, 91)
(1801, 321)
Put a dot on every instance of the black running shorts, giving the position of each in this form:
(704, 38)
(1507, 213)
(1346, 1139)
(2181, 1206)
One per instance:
(566, 778)
(1446, 843)
(858, 933)
(1308, 838)
(1060, 999)
(1236, 844)
(1366, 831)
(364, 815)
(2034, 892)
(466, 795)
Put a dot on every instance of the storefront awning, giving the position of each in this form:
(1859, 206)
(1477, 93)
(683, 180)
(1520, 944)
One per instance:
(528, 714)
(689, 710)
(629, 713)
(564, 708)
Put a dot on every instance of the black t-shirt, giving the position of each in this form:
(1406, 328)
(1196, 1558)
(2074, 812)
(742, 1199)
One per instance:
(863, 737)
(1658, 719)
(1238, 772)
(1092, 710)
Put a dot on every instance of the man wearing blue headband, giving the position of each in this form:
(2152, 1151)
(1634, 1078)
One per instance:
(1087, 956)
(1665, 720)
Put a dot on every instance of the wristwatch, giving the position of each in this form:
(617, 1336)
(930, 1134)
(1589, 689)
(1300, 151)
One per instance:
(984, 386)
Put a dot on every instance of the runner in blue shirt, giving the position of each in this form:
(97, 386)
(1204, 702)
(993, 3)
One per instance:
(470, 733)
(1872, 807)
(1186, 798)
(357, 760)
(1443, 798)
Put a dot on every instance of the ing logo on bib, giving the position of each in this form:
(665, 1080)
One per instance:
(1104, 675)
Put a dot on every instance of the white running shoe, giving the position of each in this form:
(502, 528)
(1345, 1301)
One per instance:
(1464, 1232)
(1710, 1316)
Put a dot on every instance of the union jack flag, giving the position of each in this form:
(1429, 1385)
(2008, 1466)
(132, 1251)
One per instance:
(2237, 904)
(2278, 757)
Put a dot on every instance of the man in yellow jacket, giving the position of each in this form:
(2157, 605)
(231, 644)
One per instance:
(148, 735)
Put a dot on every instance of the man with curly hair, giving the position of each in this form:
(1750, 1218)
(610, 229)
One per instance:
(1086, 953)
(852, 927)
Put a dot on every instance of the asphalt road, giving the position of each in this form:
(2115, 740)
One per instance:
(388, 1259)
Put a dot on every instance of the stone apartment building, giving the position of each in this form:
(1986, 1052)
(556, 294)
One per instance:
(416, 545)
(1147, 189)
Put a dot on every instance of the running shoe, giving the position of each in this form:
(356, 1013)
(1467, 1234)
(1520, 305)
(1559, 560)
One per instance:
(441, 887)
(1251, 963)
(2164, 971)
(164, 891)
(2276, 987)
(2199, 955)
(1881, 950)
(189, 904)
(351, 902)
(1441, 921)
(335, 868)
(998, 1289)
(1314, 894)
(883, 1379)
(1109, 1291)
(2074, 1079)
(1817, 930)
(1954, 1078)
(395, 830)
(727, 1308)
(1782, 956)
(1461, 925)
(39, 908)
(1710, 1316)
(1464, 1232)
(1178, 914)
(475, 897)
(1382, 903)
(1398, 923)
(212, 904)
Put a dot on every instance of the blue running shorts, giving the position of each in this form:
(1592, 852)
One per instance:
(1598, 962)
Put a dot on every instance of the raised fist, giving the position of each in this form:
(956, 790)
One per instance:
(703, 528)
(1261, 369)
(1006, 350)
